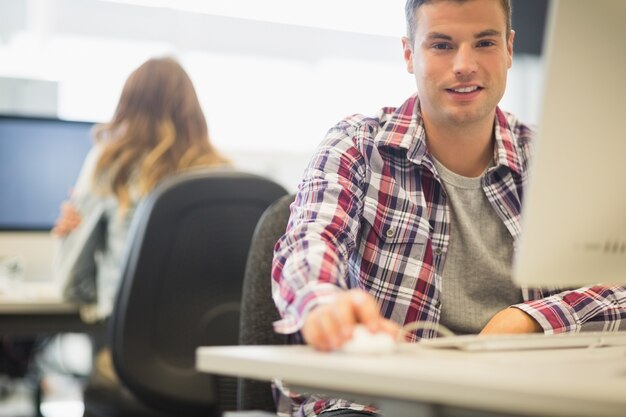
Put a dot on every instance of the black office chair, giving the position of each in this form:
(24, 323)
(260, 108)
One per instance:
(258, 311)
(181, 288)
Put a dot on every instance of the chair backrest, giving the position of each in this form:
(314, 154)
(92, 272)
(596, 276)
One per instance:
(181, 286)
(258, 311)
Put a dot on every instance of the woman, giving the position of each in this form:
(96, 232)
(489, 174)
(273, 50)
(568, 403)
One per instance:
(158, 129)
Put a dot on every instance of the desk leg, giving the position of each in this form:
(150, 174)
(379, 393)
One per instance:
(38, 396)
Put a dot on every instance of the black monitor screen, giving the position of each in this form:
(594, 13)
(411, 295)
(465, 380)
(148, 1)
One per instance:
(39, 162)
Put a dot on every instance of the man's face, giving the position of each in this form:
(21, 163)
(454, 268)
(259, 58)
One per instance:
(460, 60)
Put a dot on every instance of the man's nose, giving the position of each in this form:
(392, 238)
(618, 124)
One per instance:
(465, 61)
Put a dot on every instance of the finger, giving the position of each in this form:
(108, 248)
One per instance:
(72, 211)
(66, 207)
(60, 225)
(60, 231)
(65, 225)
(366, 310)
(313, 331)
(309, 330)
(390, 327)
(330, 329)
(65, 222)
(310, 333)
(74, 220)
(70, 217)
(345, 316)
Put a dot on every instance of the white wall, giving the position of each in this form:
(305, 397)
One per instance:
(271, 80)
(270, 88)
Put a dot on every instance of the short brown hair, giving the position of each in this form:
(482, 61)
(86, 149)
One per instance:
(411, 7)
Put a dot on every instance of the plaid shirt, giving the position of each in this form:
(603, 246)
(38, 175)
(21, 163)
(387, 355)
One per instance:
(372, 213)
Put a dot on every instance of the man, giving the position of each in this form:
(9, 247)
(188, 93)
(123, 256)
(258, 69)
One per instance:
(413, 215)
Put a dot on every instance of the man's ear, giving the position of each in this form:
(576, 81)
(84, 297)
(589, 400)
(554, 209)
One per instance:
(509, 47)
(408, 53)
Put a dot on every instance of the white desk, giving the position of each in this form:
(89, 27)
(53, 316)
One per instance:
(569, 382)
(32, 308)
(34, 318)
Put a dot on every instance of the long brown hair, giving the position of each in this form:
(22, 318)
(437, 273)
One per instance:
(158, 128)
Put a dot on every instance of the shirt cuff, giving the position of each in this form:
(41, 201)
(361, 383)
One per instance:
(307, 298)
(552, 314)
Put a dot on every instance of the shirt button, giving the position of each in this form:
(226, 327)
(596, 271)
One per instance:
(390, 232)
(438, 251)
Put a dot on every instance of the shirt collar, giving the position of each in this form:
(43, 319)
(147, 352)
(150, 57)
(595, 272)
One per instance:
(404, 128)
(507, 147)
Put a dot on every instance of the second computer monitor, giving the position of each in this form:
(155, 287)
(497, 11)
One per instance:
(574, 210)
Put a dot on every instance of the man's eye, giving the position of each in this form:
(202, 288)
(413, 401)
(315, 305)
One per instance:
(442, 45)
(483, 44)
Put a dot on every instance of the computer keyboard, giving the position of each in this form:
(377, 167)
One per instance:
(526, 341)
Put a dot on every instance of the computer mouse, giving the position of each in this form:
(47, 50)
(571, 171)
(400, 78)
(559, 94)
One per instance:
(364, 341)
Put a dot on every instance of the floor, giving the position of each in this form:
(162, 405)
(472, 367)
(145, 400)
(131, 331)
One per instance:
(60, 368)
(61, 398)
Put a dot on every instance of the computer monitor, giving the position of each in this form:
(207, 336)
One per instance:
(574, 210)
(39, 162)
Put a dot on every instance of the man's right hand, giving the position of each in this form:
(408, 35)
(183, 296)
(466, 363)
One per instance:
(329, 326)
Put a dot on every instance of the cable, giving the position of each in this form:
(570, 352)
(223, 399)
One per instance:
(422, 325)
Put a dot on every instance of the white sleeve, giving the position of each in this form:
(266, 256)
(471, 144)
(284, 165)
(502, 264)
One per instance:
(84, 182)
(74, 258)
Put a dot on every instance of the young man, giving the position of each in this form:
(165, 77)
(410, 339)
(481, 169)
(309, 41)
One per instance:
(413, 215)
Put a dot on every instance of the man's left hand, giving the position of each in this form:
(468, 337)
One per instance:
(511, 321)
